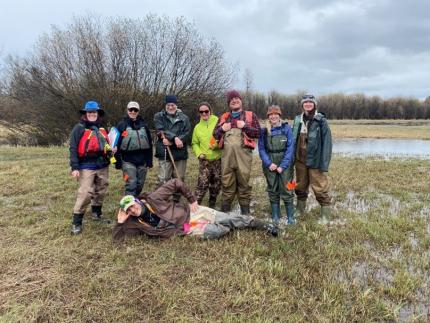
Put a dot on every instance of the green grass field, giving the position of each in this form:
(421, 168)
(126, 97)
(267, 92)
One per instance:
(392, 129)
(374, 268)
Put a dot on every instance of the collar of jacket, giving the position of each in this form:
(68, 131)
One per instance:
(212, 119)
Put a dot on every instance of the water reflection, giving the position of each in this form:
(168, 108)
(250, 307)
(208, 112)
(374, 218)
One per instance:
(382, 147)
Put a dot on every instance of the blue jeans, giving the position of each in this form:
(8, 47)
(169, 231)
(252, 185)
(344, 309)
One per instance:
(134, 177)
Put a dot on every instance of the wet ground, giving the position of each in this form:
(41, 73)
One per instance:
(383, 147)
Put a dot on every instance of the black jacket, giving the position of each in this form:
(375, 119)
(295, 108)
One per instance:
(177, 126)
(76, 162)
(137, 157)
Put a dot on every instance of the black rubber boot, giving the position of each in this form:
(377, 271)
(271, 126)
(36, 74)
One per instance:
(97, 215)
(260, 225)
(77, 223)
(244, 210)
(225, 207)
(212, 202)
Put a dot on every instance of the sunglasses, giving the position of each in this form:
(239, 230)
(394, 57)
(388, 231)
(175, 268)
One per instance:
(133, 110)
(204, 111)
(305, 97)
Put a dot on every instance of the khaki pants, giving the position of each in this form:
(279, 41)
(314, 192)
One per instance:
(93, 185)
(208, 223)
(236, 165)
(316, 179)
(167, 172)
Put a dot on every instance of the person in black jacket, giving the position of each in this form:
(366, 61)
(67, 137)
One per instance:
(89, 163)
(134, 149)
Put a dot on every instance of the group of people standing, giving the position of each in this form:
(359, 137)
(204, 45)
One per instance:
(224, 147)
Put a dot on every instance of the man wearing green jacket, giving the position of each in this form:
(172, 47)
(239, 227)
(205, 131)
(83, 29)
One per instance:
(206, 150)
(173, 128)
(313, 155)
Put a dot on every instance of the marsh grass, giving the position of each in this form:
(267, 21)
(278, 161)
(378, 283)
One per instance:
(389, 129)
(374, 268)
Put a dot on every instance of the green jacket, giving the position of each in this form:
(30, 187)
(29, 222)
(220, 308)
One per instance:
(319, 147)
(202, 134)
(176, 126)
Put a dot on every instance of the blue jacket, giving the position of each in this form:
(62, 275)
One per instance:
(284, 129)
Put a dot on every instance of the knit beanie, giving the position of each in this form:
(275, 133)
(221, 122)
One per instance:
(171, 99)
(232, 94)
(309, 98)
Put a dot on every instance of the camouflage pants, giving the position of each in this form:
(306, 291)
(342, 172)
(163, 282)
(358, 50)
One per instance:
(209, 178)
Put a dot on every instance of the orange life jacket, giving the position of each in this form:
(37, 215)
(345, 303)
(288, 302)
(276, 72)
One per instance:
(246, 140)
(93, 142)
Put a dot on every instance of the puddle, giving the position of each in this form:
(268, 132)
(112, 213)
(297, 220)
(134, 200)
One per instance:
(354, 203)
(403, 148)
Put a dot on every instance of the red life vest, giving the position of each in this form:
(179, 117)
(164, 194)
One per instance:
(93, 142)
(246, 140)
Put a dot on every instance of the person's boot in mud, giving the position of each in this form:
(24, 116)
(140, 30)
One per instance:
(97, 215)
(77, 223)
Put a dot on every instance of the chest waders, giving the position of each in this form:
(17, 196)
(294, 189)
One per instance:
(236, 165)
(276, 147)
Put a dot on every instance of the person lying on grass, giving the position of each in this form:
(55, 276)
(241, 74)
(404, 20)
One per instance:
(156, 214)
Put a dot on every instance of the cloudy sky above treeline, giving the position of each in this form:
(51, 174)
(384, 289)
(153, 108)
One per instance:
(376, 47)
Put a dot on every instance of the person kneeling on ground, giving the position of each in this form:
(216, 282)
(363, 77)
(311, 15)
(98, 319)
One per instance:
(156, 214)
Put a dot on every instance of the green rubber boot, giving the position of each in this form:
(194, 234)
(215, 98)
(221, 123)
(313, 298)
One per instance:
(290, 214)
(325, 216)
(276, 212)
(301, 207)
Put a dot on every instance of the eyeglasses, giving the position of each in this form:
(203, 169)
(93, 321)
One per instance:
(133, 110)
(204, 111)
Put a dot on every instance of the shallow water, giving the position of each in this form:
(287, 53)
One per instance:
(382, 147)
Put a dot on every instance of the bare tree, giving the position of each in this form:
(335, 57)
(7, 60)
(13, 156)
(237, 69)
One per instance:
(113, 61)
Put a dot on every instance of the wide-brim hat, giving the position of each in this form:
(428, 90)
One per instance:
(91, 106)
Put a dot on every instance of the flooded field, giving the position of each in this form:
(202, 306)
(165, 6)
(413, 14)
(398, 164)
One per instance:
(383, 147)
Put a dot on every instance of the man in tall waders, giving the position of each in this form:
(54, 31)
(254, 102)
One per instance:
(173, 128)
(236, 131)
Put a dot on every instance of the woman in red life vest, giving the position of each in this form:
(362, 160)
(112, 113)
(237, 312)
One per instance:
(89, 162)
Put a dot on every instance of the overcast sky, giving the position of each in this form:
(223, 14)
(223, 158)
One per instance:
(377, 47)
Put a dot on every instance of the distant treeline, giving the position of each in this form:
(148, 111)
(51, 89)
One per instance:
(343, 106)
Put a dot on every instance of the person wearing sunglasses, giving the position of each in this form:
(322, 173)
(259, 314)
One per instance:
(134, 154)
(312, 157)
(206, 150)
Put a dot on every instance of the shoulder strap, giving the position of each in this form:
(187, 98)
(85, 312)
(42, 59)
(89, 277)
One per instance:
(248, 116)
(296, 127)
(225, 116)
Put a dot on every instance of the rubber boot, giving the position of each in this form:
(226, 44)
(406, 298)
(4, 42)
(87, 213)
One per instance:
(97, 215)
(325, 215)
(301, 207)
(290, 214)
(276, 212)
(225, 207)
(77, 223)
(244, 210)
(212, 202)
(260, 225)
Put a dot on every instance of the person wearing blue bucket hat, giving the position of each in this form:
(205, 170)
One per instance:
(89, 163)
(91, 106)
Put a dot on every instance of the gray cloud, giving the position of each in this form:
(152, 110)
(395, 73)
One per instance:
(377, 47)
